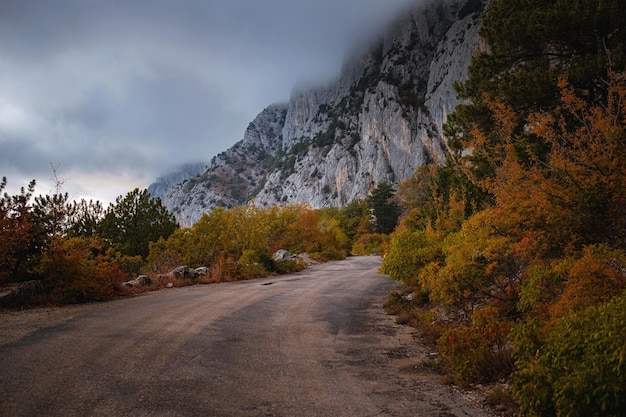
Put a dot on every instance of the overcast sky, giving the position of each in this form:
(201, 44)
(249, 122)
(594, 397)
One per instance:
(113, 93)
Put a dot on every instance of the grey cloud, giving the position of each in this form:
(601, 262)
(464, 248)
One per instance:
(21, 153)
(139, 87)
(94, 109)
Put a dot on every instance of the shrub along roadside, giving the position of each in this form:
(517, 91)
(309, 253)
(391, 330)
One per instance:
(76, 252)
(578, 368)
(509, 281)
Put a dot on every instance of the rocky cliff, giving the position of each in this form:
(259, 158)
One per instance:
(379, 120)
(163, 184)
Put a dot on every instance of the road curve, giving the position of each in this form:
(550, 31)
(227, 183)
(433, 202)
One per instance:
(315, 343)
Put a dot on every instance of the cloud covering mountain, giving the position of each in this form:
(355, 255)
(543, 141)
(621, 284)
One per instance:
(114, 93)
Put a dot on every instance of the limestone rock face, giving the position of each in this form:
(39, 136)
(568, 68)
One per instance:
(231, 177)
(379, 120)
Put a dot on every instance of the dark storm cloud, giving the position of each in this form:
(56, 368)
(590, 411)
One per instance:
(122, 91)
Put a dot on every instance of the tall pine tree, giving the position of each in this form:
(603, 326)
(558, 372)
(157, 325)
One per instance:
(384, 208)
(530, 44)
(134, 221)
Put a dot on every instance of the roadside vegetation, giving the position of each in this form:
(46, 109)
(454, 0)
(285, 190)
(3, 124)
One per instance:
(56, 251)
(513, 253)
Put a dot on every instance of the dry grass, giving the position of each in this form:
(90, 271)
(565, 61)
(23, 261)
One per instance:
(415, 311)
(499, 399)
(430, 323)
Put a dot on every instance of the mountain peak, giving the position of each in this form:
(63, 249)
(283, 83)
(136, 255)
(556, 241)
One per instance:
(378, 121)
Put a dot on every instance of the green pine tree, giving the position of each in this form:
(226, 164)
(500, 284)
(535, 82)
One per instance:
(530, 44)
(134, 221)
(384, 208)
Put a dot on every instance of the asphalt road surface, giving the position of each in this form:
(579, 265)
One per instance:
(315, 343)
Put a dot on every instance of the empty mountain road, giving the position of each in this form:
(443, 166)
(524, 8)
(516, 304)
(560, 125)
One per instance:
(315, 343)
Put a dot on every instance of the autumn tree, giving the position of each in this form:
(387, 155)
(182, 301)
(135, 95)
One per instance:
(354, 218)
(302, 234)
(573, 195)
(577, 368)
(206, 239)
(439, 196)
(78, 270)
(409, 253)
(540, 252)
(19, 242)
(551, 245)
(239, 241)
(529, 45)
